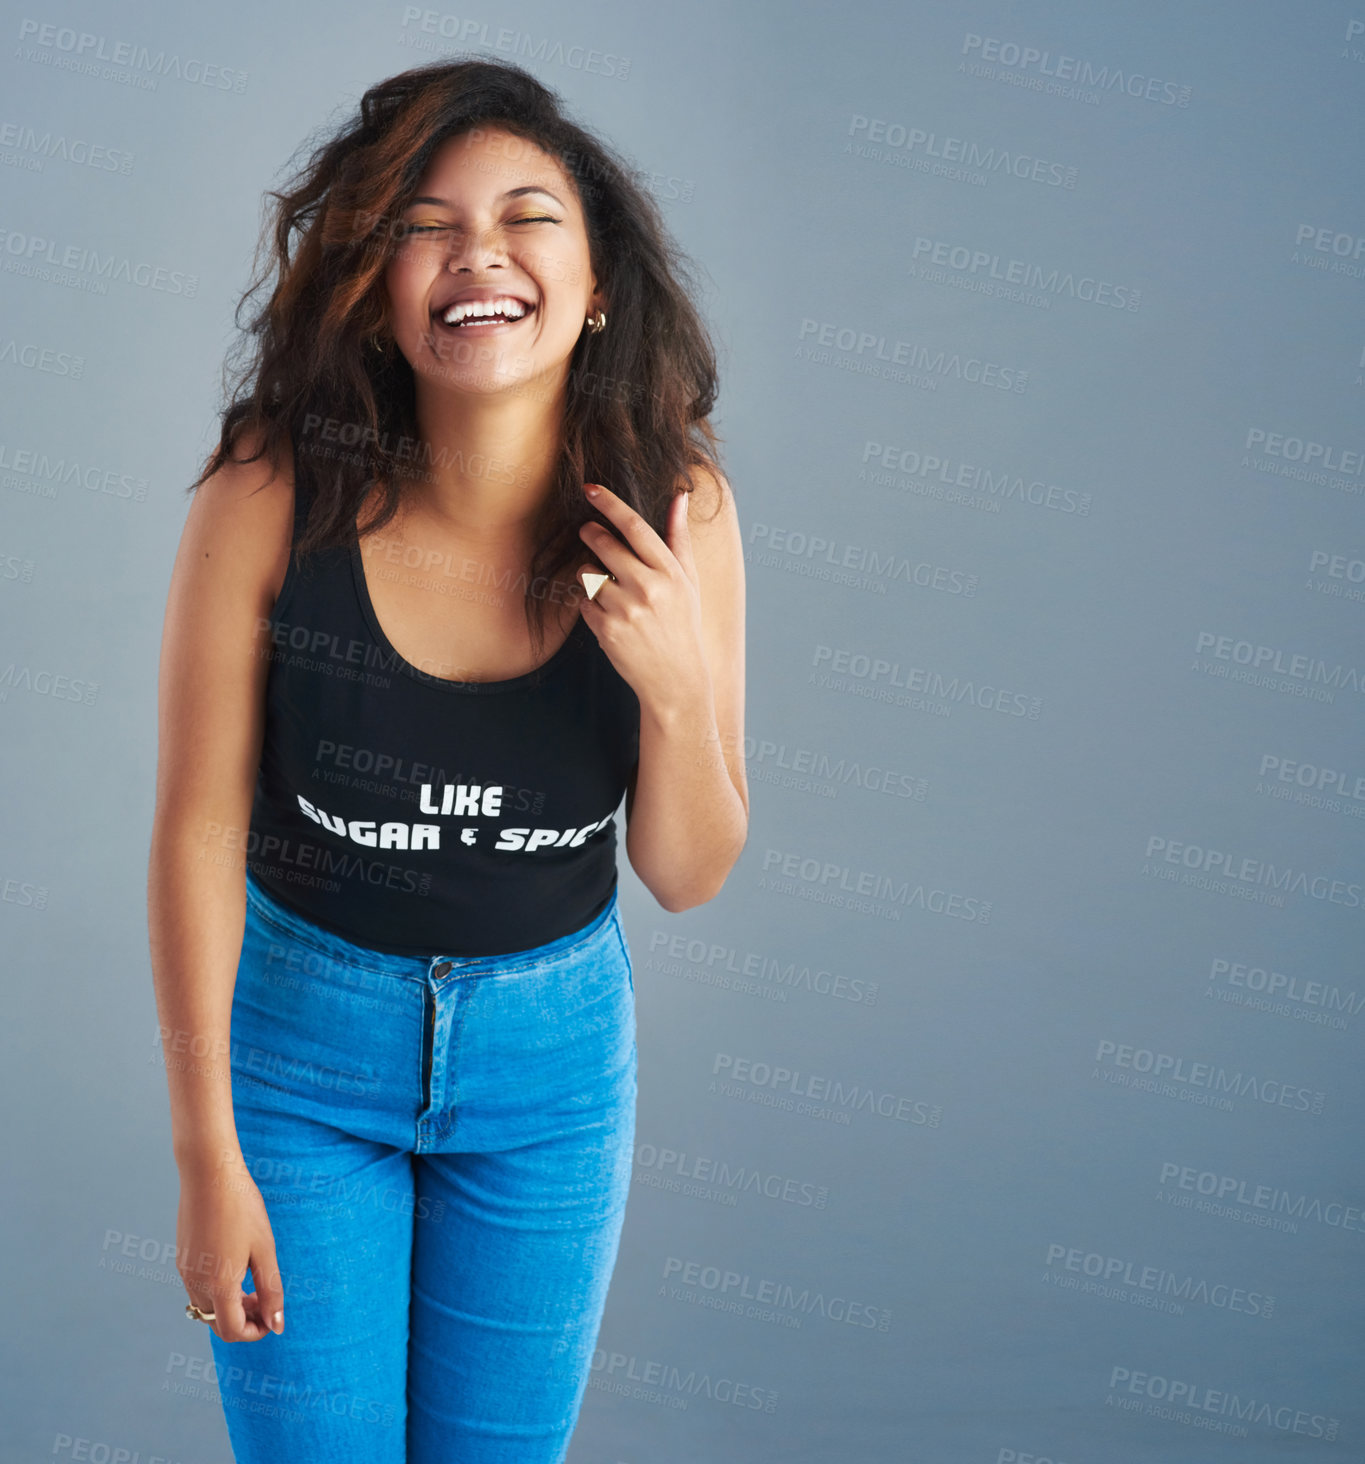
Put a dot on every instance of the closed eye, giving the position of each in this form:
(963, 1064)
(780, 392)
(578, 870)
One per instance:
(437, 228)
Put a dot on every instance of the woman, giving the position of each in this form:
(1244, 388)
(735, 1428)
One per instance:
(441, 599)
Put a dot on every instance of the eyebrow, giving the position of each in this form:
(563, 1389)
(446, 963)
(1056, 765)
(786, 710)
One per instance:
(511, 193)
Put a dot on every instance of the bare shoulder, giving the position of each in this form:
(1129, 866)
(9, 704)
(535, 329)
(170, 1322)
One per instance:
(240, 525)
(713, 499)
(717, 545)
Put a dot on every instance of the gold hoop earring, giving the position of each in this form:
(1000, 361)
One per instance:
(597, 322)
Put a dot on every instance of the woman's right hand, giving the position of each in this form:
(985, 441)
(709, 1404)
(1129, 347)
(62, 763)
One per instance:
(222, 1230)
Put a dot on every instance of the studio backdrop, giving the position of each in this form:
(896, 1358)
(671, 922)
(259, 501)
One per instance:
(1006, 1105)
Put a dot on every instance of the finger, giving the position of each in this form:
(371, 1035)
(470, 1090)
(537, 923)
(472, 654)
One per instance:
(257, 1317)
(617, 558)
(269, 1287)
(595, 601)
(233, 1324)
(634, 527)
(202, 1300)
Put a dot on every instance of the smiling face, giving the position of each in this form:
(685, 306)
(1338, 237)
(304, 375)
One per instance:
(490, 282)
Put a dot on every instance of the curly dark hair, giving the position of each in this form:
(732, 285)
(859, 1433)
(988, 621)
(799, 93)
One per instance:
(639, 393)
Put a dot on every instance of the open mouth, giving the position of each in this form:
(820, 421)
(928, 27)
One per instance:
(482, 317)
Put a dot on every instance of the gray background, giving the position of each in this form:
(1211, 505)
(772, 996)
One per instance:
(1029, 1261)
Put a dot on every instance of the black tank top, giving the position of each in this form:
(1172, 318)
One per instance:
(420, 816)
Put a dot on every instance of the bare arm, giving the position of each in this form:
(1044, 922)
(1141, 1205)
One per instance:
(687, 804)
(232, 559)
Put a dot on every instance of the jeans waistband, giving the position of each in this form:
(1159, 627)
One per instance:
(417, 968)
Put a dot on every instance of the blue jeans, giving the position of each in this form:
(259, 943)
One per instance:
(443, 1147)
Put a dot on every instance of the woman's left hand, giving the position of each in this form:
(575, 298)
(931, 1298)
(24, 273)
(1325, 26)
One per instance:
(648, 620)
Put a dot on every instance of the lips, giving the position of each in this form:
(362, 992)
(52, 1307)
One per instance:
(488, 325)
(481, 292)
(482, 308)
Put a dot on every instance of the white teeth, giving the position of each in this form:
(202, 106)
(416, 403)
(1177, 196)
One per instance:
(478, 309)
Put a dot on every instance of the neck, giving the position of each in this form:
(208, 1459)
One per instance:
(492, 459)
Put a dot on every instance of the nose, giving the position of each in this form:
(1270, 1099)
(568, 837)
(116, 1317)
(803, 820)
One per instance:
(474, 249)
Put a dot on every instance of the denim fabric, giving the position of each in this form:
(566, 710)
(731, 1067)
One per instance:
(443, 1147)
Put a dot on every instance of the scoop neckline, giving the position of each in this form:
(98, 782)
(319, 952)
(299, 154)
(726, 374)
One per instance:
(474, 688)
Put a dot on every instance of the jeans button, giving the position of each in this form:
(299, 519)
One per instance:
(443, 968)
